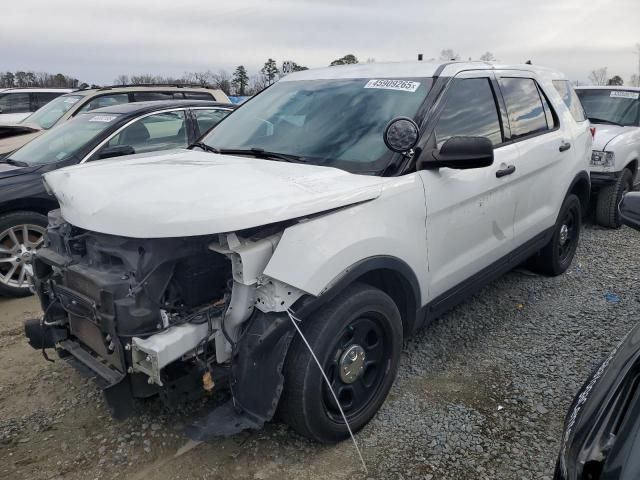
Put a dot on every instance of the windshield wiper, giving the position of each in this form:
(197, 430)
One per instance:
(16, 163)
(602, 120)
(262, 153)
(204, 146)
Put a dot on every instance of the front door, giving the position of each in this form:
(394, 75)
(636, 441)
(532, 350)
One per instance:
(469, 212)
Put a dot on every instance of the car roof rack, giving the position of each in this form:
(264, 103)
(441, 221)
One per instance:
(177, 85)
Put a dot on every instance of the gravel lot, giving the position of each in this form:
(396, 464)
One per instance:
(481, 393)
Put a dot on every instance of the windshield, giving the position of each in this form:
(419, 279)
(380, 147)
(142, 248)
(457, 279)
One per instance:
(619, 107)
(335, 122)
(48, 115)
(65, 141)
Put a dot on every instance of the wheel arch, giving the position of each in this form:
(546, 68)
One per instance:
(38, 205)
(633, 166)
(390, 274)
(581, 187)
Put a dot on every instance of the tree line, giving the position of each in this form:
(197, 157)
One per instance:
(21, 79)
(600, 76)
(241, 83)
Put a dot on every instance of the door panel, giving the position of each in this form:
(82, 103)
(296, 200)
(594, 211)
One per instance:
(469, 219)
(469, 212)
(539, 135)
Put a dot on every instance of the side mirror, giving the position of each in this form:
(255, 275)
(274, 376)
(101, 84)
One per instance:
(462, 153)
(116, 151)
(401, 134)
(629, 209)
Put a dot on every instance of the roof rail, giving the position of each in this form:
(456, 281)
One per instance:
(177, 85)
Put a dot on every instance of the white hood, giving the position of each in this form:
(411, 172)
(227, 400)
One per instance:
(606, 133)
(186, 193)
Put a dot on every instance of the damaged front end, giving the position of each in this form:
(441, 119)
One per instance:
(168, 316)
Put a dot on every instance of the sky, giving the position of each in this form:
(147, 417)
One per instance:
(97, 40)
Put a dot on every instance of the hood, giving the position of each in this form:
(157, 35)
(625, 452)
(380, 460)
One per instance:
(606, 133)
(11, 143)
(8, 130)
(7, 170)
(186, 193)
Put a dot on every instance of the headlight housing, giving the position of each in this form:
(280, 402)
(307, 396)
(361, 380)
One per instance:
(602, 159)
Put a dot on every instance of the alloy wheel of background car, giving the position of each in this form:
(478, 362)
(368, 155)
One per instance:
(21, 234)
(357, 337)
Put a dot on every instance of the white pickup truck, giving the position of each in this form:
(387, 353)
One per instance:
(614, 112)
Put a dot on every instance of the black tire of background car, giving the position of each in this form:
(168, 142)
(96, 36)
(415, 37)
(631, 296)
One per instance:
(11, 220)
(609, 198)
(550, 261)
(302, 405)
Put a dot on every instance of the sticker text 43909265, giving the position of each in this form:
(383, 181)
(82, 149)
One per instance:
(388, 84)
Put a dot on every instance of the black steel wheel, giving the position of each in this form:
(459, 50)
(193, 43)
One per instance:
(357, 338)
(356, 369)
(556, 257)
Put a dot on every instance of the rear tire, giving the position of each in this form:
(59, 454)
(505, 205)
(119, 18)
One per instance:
(358, 340)
(556, 256)
(609, 198)
(16, 248)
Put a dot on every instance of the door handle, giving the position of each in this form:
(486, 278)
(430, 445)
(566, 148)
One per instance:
(506, 171)
(565, 146)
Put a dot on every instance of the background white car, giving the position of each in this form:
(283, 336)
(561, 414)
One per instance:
(614, 112)
(18, 103)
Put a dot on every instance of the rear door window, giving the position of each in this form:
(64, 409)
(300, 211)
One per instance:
(470, 110)
(42, 98)
(15, 103)
(208, 118)
(198, 96)
(161, 131)
(153, 96)
(105, 101)
(570, 99)
(525, 107)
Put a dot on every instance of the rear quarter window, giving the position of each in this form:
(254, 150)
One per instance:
(570, 99)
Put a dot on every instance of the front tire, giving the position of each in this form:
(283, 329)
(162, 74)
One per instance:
(358, 340)
(609, 198)
(556, 257)
(21, 234)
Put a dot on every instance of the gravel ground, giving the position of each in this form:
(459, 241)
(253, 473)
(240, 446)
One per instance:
(481, 393)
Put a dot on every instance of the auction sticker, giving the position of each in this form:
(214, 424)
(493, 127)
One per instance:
(402, 85)
(102, 118)
(71, 100)
(623, 94)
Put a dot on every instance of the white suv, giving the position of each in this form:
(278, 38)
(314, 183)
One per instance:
(360, 200)
(614, 112)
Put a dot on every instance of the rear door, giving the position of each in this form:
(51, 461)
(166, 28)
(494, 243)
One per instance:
(469, 212)
(544, 145)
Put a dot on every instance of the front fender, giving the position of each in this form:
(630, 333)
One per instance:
(314, 254)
